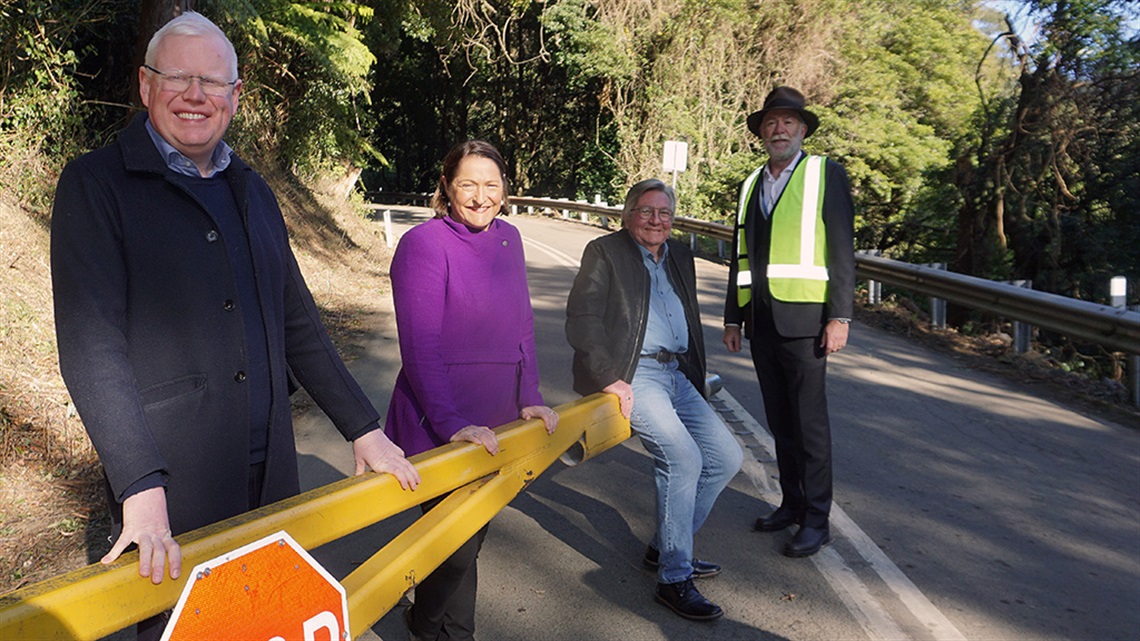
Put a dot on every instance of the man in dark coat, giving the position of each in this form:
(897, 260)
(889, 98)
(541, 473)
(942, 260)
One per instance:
(180, 313)
(791, 286)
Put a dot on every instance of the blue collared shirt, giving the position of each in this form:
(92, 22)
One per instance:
(667, 328)
(178, 162)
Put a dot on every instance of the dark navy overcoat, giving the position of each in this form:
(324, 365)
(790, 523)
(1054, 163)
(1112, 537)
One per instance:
(152, 347)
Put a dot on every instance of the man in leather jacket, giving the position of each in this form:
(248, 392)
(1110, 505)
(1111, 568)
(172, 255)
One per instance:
(634, 324)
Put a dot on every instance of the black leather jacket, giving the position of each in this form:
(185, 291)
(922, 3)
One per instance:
(608, 308)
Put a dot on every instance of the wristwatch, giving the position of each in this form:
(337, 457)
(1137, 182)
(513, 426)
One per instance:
(845, 321)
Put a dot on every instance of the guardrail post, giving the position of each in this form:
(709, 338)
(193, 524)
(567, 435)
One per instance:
(1134, 370)
(602, 203)
(693, 242)
(514, 210)
(389, 238)
(1118, 291)
(874, 287)
(1022, 332)
(938, 305)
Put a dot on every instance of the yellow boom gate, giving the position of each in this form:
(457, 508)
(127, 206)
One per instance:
(97, 600)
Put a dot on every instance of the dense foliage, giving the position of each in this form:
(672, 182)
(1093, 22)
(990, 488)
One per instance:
(966, 145)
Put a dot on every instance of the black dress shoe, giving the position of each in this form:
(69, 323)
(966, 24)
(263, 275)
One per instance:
(684, 599)
(808, 541)
(781, 519)
(701, 569)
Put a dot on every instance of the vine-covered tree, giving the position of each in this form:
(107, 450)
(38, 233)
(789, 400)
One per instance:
(1056, 189)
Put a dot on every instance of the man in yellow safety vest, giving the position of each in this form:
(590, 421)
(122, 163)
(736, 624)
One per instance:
(790, 290)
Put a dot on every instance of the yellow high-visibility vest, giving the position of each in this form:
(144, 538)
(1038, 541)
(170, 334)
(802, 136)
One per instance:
(797, 254)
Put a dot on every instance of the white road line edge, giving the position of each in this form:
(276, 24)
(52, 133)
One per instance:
(858, 599)
(866, 609)
(561, 257)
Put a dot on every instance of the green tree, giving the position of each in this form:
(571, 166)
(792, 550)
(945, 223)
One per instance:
(503, 71)
(305, 66)
(901, 107)
(1059, 184)
(41, 109)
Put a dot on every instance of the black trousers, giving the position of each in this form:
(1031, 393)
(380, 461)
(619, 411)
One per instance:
(444, 609)
(792, 373)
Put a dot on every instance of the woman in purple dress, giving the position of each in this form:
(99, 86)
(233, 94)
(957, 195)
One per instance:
(467, 345)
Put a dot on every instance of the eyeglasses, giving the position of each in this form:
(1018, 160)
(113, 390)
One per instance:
(663, 214)
(179, 82)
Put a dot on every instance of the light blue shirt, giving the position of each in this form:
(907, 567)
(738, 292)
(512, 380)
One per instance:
(179, 163)
(667, 328)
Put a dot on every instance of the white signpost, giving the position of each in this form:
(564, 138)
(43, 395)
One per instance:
(676, 158)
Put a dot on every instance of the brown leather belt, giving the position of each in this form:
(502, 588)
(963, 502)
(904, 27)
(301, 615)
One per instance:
(662, 356)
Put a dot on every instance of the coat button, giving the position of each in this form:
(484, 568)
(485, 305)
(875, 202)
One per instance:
(211, 236)
(239, 377)
(228, 305)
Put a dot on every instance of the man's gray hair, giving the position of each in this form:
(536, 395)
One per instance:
(191, 23)
(639, 190)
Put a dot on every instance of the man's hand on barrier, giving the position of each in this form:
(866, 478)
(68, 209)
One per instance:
(145, 523)
(624, 392)
(374, 450)
(480, 435)
(549, 417)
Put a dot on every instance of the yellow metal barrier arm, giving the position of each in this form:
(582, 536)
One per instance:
(97, 600)
(376, 586)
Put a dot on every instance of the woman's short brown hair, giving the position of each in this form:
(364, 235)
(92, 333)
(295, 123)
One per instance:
(439, 200)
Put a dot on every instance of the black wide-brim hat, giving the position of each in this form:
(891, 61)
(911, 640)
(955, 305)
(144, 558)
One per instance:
(784, 98)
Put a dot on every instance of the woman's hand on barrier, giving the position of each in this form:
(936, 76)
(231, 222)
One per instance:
(624, 392)
(146, 523)
(480, 435)
(375, 451)
(549, 417)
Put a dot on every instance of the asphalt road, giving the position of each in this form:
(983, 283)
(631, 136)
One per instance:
(965, 507)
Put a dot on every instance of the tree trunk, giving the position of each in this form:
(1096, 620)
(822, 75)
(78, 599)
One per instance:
(152, 15)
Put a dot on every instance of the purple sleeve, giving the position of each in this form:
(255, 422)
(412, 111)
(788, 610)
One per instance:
(419, 290)
(528, 383)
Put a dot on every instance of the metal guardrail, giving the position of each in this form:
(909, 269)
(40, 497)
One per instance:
(1114, 328)
(1109, 326)
(398, 198)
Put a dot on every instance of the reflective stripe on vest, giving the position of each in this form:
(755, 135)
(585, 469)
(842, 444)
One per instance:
(797, 256)
(743, 268)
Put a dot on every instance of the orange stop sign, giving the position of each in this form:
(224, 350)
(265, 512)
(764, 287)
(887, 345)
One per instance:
(269, 590)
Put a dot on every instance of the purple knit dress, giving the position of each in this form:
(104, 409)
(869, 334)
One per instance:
(466, 332)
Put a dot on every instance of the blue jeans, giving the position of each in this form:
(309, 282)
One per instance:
(694, 454)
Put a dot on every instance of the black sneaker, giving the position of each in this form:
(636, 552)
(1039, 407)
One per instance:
(684, 599)
(701, 569)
